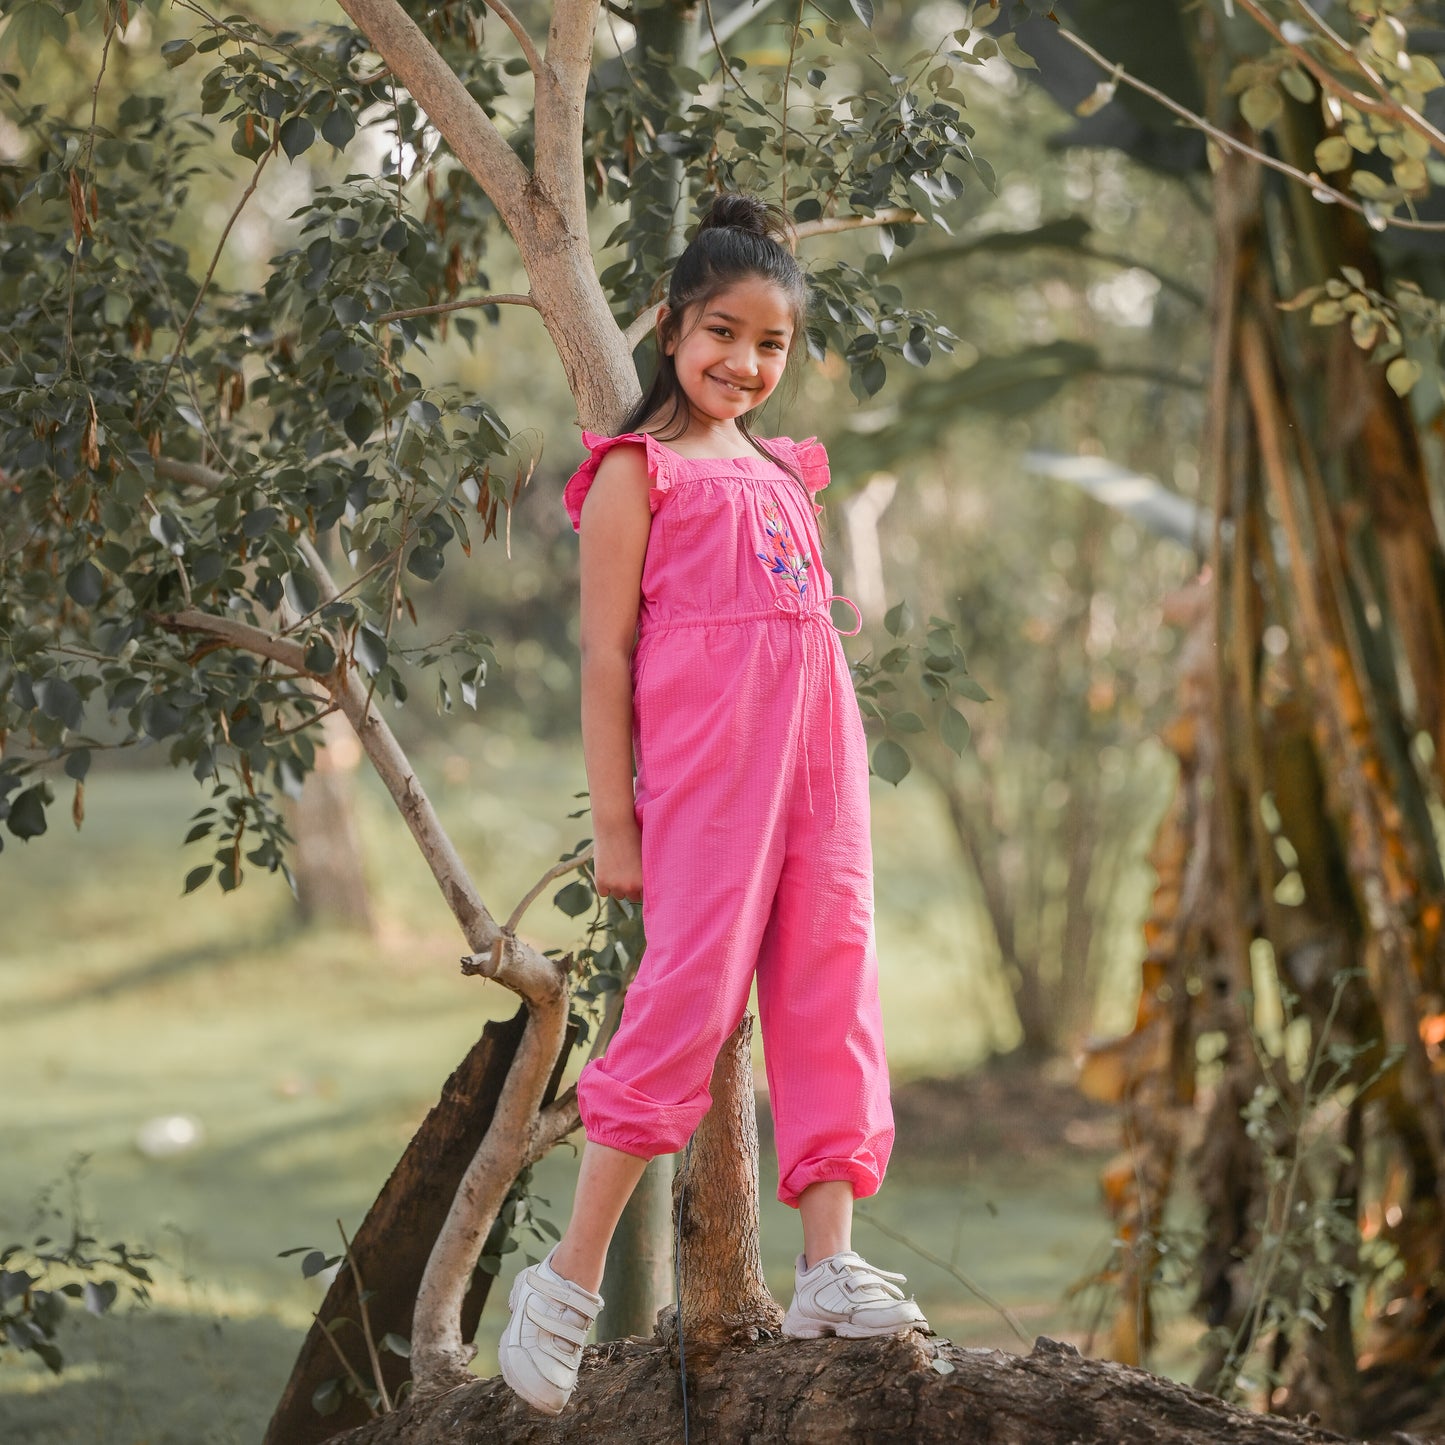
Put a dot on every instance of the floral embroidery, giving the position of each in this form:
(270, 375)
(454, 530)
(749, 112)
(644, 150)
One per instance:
(783, 557)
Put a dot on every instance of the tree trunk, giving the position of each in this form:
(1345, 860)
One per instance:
(394, 1241)
(901, 1391)
(327, 861)
(724, 1297)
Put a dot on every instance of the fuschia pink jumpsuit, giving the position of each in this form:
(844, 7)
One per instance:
(752, 796)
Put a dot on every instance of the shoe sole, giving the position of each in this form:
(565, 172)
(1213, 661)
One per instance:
(818, 1329)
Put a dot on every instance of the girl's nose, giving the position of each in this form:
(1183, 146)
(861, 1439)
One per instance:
(744, 363)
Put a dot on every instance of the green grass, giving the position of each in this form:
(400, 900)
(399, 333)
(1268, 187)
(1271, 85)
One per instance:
(310, 1056)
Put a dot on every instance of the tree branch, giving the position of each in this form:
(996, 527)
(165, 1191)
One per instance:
(560, 101)
(1321, 189)
(641, 325)
(1380, 104)
(478, 144)
(439, 1355)
(555, 871)
(534, 59)
(445, 306)
(242, 635)
(831, 225)
(554, 1123)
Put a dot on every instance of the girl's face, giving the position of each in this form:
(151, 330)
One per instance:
(730, 350)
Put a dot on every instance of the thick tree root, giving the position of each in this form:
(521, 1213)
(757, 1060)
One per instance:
(906, 1391)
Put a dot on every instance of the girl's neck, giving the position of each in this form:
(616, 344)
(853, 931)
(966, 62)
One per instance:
(703, 439)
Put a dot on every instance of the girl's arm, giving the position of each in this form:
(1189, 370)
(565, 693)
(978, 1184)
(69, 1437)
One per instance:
(616, 520)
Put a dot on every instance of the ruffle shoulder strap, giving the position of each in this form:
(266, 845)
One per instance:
(811, 459)
(659, 469)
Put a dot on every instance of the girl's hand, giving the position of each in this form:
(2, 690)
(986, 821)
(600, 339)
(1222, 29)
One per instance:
(617, 862)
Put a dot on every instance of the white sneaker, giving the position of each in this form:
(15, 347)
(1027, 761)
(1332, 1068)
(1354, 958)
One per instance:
(845, 1295)
(541, 1348)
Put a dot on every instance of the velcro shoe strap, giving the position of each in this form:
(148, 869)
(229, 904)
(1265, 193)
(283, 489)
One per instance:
(563, 1329)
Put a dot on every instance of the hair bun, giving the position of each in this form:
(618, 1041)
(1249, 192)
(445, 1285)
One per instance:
(740, 212)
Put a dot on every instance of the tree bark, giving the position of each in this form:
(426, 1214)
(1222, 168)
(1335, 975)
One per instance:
(725, 1299)
(902, 1391)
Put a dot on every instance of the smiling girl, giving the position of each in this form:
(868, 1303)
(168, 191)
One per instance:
(709, 658)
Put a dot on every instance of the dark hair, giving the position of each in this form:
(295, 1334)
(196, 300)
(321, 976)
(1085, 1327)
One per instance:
(739, 238)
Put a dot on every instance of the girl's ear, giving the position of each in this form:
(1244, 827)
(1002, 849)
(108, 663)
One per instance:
(666, 335)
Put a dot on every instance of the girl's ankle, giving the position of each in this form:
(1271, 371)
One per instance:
(575, 1270)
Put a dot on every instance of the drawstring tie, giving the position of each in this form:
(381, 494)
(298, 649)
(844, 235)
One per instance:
(791, 605)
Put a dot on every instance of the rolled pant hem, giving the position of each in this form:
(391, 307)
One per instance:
(619, 1116)
(865, 1178)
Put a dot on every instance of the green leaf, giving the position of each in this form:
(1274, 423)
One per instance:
(197, 876)
(27, 813)
(426, 563)
(30, 26)
(83, 582)
(77, 764)
(1261, 106)
(370, 648)
(575, 899)
(326, 1398)
(973, 690)
(314, 1263)
(60, 700)
(177, 52)
(397, 1344)
(1410, 174)
(906, 722)
(1333, 153)
(891, 762)
(1297, 83)
(160, 718)
(1015, 54)
(955, 729)
(297, 134)
(898, 619)
(1402, 374)
(99, 1295)
(358, 424)
(348, 310)
(863, 9)
(338, 127)
(320, 656)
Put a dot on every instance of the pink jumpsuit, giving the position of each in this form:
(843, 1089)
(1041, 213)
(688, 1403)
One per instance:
(752, 797)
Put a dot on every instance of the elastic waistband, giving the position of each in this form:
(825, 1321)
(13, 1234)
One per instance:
(762, 614)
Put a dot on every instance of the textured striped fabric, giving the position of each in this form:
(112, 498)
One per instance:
(752, 795)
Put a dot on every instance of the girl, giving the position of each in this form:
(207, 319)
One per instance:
(747, 831)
